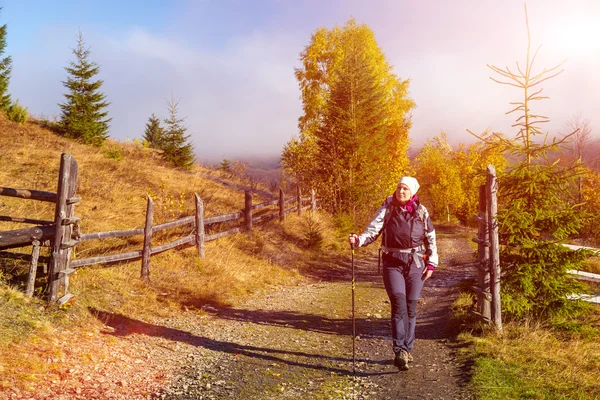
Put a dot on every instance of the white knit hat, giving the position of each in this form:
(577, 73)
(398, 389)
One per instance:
(411, 182)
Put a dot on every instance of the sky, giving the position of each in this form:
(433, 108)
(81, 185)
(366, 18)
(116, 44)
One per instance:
(230, 63)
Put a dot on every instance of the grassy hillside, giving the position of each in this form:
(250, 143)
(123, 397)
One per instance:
(114, 182)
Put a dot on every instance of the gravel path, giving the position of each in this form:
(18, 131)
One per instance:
(296, 342)
(288, 343)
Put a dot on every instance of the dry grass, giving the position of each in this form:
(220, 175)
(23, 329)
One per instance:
(532, 362)
(114, 182)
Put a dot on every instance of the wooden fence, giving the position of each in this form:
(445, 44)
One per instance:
(59, 234)
(64, 233)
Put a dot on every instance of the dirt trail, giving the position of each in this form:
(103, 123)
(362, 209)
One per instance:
(296, 342)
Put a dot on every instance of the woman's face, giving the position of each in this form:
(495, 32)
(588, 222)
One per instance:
(403, 193)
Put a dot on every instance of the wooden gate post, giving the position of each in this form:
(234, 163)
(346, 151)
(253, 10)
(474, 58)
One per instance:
(281, 205)
(63, 222)
(313, 200)
(199, 225)
(492, 208)
(147, 251)
(299, 200)
(483, 257)
(248, 212)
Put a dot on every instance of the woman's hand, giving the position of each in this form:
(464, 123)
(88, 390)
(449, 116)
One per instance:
(353, 240)
(427, 272)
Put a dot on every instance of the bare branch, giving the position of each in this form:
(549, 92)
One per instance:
(505, 83)
(546, 71)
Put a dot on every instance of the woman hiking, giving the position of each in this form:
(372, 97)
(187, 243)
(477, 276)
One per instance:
(409, 255)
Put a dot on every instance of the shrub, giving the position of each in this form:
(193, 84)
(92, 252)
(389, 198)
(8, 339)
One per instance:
(17, 113)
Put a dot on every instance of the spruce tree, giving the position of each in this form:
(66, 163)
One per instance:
(5, 69)
(83, 114)
(176, 148)
(154, 133)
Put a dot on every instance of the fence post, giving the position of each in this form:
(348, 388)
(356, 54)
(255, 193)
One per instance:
(146, 252)
(299, 200)
(313, 200)
(483, 256)
(61, 248)
(35, 254)
(492, 208)
(199, 225)
(281, 205)
(248, 212)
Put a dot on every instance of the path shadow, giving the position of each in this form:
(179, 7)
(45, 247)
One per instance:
(124, 326)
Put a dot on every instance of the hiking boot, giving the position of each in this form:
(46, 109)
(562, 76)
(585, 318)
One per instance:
(401, 360)
(410, 358)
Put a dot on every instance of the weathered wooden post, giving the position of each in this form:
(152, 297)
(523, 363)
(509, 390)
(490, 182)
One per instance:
(281, 205)
(35, 254)
(299, 200)
(483, 257)
(199, 225)
(147, 250)
(313, 200)
(248, 212)
(63, 223)
(492, 209)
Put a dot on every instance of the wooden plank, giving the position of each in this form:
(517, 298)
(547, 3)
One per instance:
(35, 254)
(25, 220)
(290, 200)
(199, 225)
(223, 234)
(190, 239)
(289, 210)
(222, 218)
(64, 299)
(492, 210)
(28, 194)
(174, 224)
(264, 218)
(132, 255)
(588, 276)
(24, 237)
(111, 234)
(281, 205)
(67, 186)
(22, 257)
(299, 201)
(484, 305)
(146, 252)
(265, 204)
(248, 212)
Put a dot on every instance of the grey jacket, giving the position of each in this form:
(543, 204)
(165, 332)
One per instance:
(375, 227)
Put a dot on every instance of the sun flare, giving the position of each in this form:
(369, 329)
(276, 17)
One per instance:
(576, 36)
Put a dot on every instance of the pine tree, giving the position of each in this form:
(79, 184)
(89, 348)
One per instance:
(82, 115)
(154, 133)
(176, 148)
(5, 69)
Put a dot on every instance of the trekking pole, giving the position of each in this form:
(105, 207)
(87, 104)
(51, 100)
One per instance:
(353, 321)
